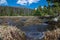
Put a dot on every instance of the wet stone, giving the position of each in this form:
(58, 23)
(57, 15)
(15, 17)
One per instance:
(1, 21)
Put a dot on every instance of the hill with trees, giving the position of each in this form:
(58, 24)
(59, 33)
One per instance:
(14, 11)
(52, 10)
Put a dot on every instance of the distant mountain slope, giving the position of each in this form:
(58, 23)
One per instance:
(13, 11)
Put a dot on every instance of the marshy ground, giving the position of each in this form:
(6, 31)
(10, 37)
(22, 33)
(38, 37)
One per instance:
(11, 24)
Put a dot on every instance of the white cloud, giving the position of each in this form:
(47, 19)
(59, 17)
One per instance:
(25, 2)
(33, 1)
(4, 2)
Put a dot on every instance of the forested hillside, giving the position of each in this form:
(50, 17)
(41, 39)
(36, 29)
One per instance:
(52, 9)
(14, 11)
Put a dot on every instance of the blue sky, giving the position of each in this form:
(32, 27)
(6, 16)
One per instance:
(24, 3)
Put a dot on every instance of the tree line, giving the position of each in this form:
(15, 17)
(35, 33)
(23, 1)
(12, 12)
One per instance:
(52, 9)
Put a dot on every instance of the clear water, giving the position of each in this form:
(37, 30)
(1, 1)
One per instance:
(35, 35)
(35, 31)
(35, 28)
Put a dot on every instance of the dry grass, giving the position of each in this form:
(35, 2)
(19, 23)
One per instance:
(30, 20)
(52, 35)
(11, 33)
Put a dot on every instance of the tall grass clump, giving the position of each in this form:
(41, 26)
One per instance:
(11, 33)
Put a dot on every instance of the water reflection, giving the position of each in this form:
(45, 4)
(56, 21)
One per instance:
(35, 32)
(35, 35)
(35, 28)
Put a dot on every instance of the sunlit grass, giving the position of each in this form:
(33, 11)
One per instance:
(11, 33)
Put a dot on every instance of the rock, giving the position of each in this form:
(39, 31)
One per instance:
(1, 21)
